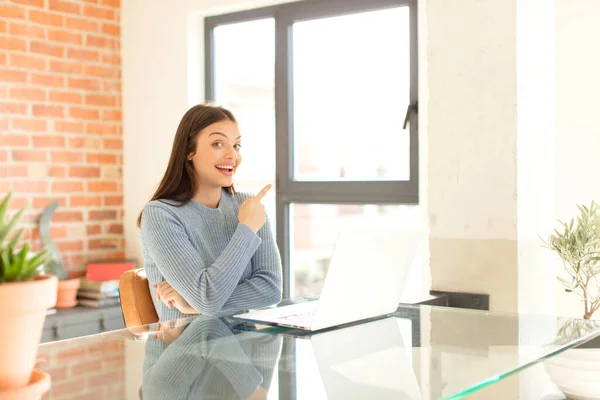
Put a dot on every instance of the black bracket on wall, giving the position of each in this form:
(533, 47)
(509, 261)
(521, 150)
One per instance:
(472, 301)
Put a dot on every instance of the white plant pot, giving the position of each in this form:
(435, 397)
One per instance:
(576, 372)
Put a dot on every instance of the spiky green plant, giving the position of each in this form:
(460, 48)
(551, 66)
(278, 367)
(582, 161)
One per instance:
(14, 264)
(577, 243)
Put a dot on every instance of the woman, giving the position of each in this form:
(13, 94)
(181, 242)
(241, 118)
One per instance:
(206, 248)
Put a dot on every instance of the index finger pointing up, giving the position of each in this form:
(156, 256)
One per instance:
(263, 192)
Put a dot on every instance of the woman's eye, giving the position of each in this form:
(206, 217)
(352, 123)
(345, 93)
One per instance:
(217, 144)
(237, 146)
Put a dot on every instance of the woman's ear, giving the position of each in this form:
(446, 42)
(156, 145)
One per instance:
(190, 156)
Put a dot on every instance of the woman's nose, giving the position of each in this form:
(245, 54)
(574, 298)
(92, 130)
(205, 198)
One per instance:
(232, 153)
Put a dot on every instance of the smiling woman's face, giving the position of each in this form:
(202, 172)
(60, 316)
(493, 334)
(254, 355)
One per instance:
(217, 154)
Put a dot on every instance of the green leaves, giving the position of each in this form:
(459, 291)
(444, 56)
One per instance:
(577, 243)
(15, 265)
(573, 329)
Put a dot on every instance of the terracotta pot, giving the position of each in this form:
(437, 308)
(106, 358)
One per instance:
(67, 293)
(22, 314)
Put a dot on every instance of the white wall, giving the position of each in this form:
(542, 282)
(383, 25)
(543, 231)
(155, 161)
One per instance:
(577, 124)
(491, 182)
(423, 96)
(472, 146)
(535, 162)
(535, 180)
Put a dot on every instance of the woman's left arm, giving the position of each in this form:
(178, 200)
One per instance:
(264, 286)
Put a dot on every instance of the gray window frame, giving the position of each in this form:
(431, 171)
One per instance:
(288, 190)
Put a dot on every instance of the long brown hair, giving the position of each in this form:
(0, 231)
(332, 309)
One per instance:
(179, 183)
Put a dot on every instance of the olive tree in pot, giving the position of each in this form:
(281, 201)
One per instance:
(25, 295)
(576, 372)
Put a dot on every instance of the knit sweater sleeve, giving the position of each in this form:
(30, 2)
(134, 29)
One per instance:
(205, 287)
(264, 286)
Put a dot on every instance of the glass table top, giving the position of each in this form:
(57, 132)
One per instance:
(419, 352)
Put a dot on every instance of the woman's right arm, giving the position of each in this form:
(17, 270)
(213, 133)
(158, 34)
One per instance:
(205, 287)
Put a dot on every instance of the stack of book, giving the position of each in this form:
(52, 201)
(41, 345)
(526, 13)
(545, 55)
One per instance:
(98, 294)
(100, 286)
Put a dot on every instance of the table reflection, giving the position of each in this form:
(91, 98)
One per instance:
(204, 359)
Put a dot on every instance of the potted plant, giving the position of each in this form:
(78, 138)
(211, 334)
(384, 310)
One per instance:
(578, 246)
(67, 287)
(25, 295)
(576, 372)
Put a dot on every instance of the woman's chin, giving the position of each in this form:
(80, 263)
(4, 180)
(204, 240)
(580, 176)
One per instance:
(226, 182)
(221, 181)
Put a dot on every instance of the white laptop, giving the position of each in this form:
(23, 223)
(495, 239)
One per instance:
(366, 277)
(366, 361)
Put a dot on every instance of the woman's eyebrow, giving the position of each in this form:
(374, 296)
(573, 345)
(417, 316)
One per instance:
(224, 135)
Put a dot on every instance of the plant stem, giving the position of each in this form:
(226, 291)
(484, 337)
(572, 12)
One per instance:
(585, 299)
(594, 307)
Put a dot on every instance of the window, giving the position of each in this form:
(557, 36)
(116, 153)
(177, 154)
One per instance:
(326, 96)
(245, 83)
(349, 94)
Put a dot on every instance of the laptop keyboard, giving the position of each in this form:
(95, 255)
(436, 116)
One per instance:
(303, 318)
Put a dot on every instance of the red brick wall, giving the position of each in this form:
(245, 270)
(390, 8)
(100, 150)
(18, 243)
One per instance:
(93, 369)
(60, 121)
